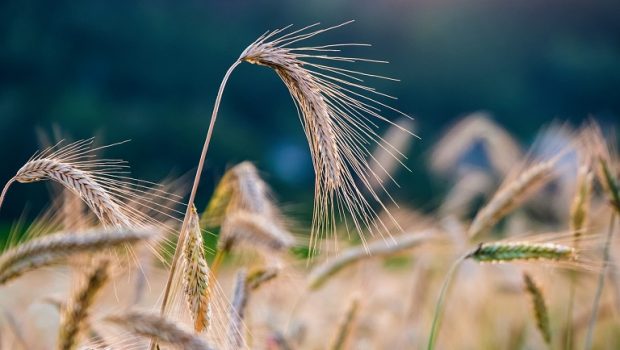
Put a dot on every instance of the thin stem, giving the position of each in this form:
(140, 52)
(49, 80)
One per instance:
(568, 335)
(5, 189)
(601, 283)
(192, 195)
(440, 303)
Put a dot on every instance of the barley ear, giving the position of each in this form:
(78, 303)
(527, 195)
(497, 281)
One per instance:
(196, 275)
(501, 252)
(159, 329)
(539, 307)
(75, 313)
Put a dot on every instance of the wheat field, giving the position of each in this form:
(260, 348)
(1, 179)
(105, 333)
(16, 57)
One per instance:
(122, 263)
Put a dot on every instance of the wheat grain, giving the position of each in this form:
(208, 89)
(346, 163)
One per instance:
(159, 329)
(500, 252)
(322, 273)
(539, 306)
(75, 313)
(196, 276)
(511, 196)
(336, 112)
(52, 248)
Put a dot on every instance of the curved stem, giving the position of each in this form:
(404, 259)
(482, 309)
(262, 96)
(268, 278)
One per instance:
(601, 283)
(192, 195)
(5, 189)
(440, 302)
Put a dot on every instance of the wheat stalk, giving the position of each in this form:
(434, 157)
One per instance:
(322, 273)
(345, 327)
(335, 107)
(196, 276)
(539, 306)
(500, 252)
(511, 196)
(159, 329)
(52, 248)
(237, 311)
(75, 313)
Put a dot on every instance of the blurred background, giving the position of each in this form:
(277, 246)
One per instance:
(149, 71)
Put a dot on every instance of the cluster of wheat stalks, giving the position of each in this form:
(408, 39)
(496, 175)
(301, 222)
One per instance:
(117, 263)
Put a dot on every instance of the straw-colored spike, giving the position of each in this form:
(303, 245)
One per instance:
(75, 313)
(52, 248)
(500, 252)
(539, 306)
(510, 196)
(160, 329)
(196, 276)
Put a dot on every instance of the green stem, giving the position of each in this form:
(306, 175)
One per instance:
(601, 283)
(440, 303)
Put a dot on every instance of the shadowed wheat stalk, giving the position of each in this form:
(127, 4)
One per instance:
(75, 313)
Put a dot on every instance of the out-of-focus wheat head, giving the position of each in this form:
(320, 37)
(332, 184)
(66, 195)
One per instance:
(501, 149)
(244, 208)
(339, 114)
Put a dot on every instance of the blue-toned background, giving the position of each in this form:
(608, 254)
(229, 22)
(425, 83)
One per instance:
(148, 71)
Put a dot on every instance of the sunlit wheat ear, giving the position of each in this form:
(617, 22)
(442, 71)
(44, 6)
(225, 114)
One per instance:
(580, 207)
(345, 328)
(323, 272)
(501, 252)
(102, 184)
(339, 115)
(512, 194)
(539, 307)
(75, 313)
(160, 329)
(196, 276)
(244, 228)
(52, 248)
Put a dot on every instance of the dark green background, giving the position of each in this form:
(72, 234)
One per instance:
(149, 70)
